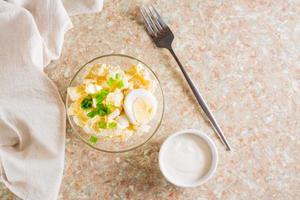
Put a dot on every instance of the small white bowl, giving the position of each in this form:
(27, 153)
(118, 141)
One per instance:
(182, 155)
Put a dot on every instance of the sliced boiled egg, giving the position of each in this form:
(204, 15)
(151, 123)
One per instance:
(140, 106)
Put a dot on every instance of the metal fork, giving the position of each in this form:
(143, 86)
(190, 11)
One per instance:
(163, 37)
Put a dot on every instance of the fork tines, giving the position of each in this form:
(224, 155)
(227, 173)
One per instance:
(153, 21)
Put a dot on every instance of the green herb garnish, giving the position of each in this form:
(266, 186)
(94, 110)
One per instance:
(112, 125)
(86, 103)
(109, 108)
(110, 81)
(102, 125)
(103, 109)
(92, 113)
(93, 139)
(101, 95)
(118, 76)
(120, 84)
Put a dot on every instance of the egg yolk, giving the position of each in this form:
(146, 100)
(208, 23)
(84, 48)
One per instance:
(142, 110)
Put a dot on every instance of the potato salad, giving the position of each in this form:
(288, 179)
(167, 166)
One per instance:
(113, 103)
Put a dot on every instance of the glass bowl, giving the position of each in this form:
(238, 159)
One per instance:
(135, 140)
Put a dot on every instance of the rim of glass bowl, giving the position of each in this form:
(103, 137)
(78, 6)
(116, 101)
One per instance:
(136, 146)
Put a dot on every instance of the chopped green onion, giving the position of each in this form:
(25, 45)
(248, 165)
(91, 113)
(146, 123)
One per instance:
(99, 99)
(109, 108)
(104, 92)
(93, 139)
(101, 95)
(102, 113)
(102, 125)
(120, 84)
(118, 76)
(92, 113)
(100, 106)
(86, 103)
(112, 125)
(110, 81)
(102, 110)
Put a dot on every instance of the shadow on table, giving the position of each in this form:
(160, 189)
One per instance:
(139, 172)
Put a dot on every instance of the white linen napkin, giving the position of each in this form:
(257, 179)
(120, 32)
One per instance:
(32, 114)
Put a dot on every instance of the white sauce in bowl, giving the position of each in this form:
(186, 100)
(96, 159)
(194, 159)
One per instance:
(188, 158)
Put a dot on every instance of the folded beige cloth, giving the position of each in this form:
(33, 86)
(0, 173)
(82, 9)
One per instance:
(32, 114)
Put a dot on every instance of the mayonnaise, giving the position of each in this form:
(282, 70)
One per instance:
(185, 159)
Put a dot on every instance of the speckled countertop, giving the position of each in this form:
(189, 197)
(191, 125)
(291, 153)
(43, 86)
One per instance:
(245, 58)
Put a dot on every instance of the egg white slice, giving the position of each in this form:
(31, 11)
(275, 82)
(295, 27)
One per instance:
(139, 95)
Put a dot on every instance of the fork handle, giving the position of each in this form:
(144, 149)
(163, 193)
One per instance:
(202, 103)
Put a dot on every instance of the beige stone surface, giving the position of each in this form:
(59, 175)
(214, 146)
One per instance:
(245, 58)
